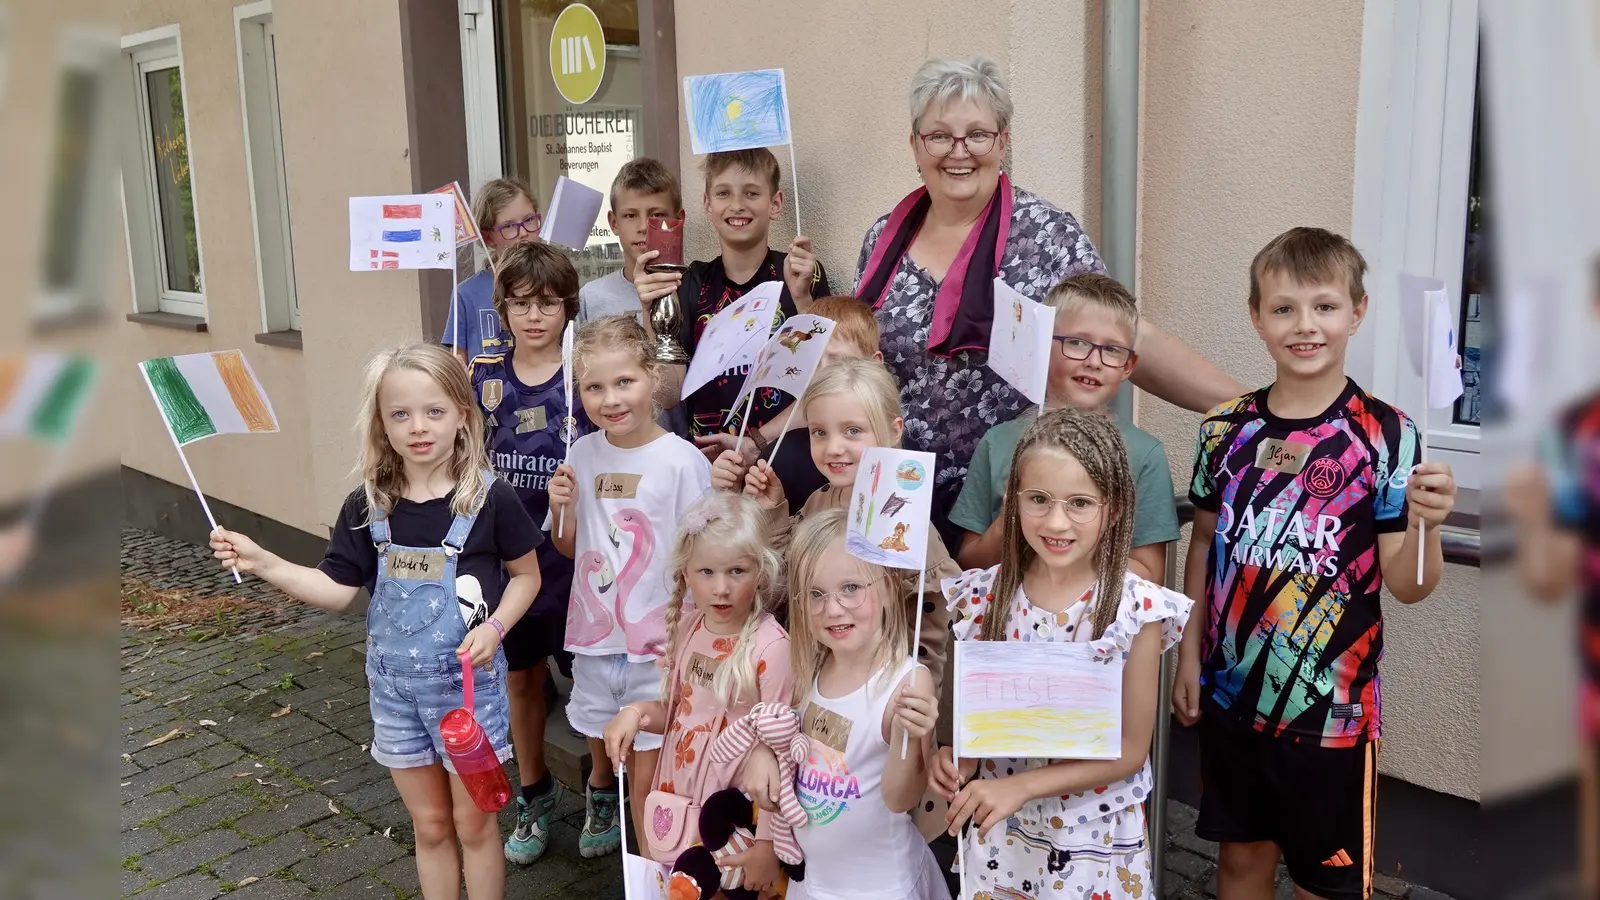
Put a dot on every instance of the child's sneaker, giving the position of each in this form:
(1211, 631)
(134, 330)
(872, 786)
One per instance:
(532, 835)
(601, 834)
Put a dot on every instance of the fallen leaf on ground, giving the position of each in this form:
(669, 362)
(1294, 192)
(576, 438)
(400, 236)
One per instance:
(282, 712)
(314, 654)
(333, 809)
(171, 735)
(259, 766)
(251, 880)
(177, 700)
(241, 774)
(387, 830)
(142, 693)
(329, 781)
(264, 783)
(363, 748)
(207, 722)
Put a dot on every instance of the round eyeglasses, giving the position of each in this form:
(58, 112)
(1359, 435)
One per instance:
(1080, 508)
(1112, 356)
(942, 143)
(512, 230)
(520, 306)
(849, 596)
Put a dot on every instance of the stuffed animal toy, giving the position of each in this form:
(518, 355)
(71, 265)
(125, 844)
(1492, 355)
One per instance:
(778, 728)
(727, 827)
(727, 818)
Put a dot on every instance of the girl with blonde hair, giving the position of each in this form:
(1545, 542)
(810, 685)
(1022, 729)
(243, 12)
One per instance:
(725, 653)
(431, 534)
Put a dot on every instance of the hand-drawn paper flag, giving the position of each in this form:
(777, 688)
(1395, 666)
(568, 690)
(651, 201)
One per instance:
(1038, 700)
(736, 110)
(789, 359)
(42, 395)
(413, 231)
(202, 394)
(892, 499)
(1019, 341)
(734, 336)
(466, 226)
(1431, 338)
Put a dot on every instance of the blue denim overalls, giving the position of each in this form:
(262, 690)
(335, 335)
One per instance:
(414, 625)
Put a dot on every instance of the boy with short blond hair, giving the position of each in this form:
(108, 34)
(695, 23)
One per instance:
(643, 189)
(1096, 325)
(741, 199)
(1308, 502)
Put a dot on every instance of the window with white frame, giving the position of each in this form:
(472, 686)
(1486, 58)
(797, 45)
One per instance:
(158, 180)
(269, 191)
(1418, 206)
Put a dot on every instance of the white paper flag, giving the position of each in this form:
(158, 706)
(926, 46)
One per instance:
(734, 336)
(574, 208)
(410, 231)
(889, 507)
(1019, 341)
(1431, 338)
(789, 359)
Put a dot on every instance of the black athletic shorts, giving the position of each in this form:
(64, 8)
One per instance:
(533, 639)
(1316, 803)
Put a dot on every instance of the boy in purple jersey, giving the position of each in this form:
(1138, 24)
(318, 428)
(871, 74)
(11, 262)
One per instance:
(523, 397)
(1307, 495)
(1556, 506)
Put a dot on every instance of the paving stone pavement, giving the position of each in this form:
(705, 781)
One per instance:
(245, 770)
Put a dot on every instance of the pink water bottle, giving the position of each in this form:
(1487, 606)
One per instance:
(470, 752)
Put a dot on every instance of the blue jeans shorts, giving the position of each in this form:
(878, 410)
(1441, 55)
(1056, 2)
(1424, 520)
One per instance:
(409, 696)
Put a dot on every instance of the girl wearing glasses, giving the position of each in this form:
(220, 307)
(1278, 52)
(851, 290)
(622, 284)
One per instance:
(506, 214)
(1067, 828)
(851, 404)
(857, 693)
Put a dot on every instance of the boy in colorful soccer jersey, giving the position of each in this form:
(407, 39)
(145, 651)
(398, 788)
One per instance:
(1308, 501)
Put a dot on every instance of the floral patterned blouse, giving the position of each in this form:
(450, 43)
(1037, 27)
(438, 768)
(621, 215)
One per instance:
(951, 401)
(970, 595)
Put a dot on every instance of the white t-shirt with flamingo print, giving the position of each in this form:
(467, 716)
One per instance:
(629, 505)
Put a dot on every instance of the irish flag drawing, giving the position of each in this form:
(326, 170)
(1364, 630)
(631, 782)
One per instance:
(42, 395)
(202, 394)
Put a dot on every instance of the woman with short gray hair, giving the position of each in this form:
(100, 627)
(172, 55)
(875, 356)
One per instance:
(928, 269)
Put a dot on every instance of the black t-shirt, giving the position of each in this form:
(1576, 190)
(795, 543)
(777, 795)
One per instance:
(705, 291)
(502, 532)
(796, 472)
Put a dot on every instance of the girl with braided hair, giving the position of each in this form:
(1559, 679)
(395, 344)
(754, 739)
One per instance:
(1068, 828)
(725, 653)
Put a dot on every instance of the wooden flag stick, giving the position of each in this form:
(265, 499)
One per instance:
(794, 172)
(1422, 434)
(916, 634)
(786, 423)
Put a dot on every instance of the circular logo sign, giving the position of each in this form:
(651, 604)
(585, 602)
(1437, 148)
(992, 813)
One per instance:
(577, 53)
(1323, 478)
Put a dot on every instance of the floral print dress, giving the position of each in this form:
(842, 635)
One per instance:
(950, 402)
(1086, 846)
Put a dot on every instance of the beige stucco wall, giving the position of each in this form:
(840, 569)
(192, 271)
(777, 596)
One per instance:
(848, 102)
(1248, 128)
(342, 91)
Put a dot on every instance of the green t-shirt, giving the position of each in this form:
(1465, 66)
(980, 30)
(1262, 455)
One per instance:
(1155, 517)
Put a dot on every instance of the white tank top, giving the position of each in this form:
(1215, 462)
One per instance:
(856, 849)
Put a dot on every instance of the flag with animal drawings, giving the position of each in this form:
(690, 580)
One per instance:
(789, 359)
(890, 506)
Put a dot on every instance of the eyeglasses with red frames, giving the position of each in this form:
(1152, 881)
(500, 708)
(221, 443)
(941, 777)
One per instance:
(1112, 356)
(512, 230)
(942, 143)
